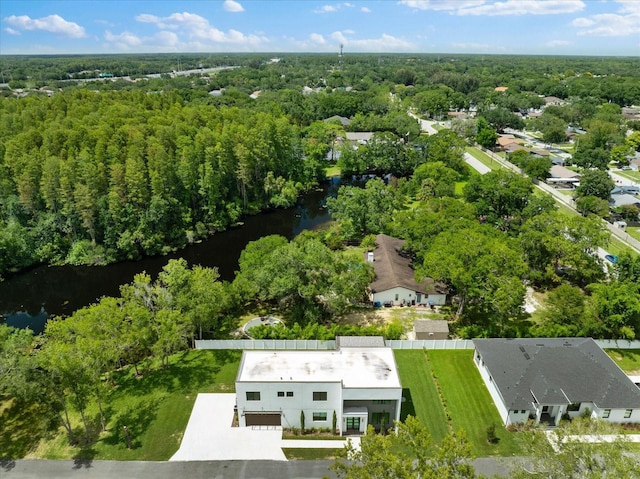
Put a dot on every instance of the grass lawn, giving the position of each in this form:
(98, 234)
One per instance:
(627, 359)
(634, 232)
(320, 454)
(332, 171)
(469, 403)
(155, 408)
(629, 174)
(422, 400)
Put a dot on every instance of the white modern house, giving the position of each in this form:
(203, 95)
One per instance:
(546, 378)
(395, 282)
(358, 382)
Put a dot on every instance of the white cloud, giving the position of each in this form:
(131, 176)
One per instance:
(52, 23)
(625, 22)
(365, 10)
(232, 6)
(197, 28)
(494, 8)
(385, 43)
(334, 8)
(326, 9)
(124, 40)
(557, 43)
(440, 4)
(11, 31)
(317, 38)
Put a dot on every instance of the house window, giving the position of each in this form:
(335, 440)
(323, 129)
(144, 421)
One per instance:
(280, 394)
(253, 395)
(380, 418)
(606, 413)
(289, 394)
(573, 407)
(319, 416)
(319, 395)
(627, 413)
(382, 401)
(396, 296)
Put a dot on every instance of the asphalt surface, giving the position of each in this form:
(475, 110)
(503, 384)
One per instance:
(42, 469)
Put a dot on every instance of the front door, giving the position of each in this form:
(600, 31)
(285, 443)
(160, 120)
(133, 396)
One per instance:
(353, 423)
(418, 298)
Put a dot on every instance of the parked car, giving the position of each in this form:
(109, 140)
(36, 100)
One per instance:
(611, 258)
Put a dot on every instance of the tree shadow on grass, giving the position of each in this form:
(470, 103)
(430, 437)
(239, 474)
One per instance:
(23, 425)
(137, 419)
(186, 373)
(407, 408)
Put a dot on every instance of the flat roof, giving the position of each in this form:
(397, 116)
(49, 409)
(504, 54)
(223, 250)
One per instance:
(354, 367)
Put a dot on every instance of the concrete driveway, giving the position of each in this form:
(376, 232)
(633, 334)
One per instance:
(210, 437)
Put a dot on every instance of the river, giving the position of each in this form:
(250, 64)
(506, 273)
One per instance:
(28, 298)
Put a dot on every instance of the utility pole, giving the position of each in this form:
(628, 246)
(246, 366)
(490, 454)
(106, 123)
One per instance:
(340, 56)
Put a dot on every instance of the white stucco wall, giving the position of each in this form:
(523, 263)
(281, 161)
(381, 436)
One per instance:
(408, 296)
(290, 407)
(617, 415)
(493, 390)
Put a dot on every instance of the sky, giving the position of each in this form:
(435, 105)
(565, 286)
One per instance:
(539, 27)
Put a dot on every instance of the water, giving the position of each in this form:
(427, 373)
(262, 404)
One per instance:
(27, 299)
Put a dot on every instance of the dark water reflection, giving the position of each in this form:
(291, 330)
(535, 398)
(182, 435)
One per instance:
(26, 299)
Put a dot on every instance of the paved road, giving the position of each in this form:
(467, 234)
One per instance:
(476, 164)
(40, 469)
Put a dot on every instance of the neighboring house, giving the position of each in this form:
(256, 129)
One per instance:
(504, 140)
(501, 89)
(562, 176)
(359, 137)
(622, 199)
(358, 382)
(544, 379)
(554, 101)
(395, 282)
(343, 120)
(635, 164)
(431, 329)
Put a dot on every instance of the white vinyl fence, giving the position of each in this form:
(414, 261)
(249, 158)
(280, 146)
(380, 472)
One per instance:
(316, 345)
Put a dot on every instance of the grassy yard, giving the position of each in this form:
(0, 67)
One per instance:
(469, 403)
(634, 232)
(332, 171)
(630, 175)
(320, 454)
(422, 400)
(155, 408)
(627, 359)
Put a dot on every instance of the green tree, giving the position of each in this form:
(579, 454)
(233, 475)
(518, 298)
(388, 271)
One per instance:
(362, 211)
(499, 196)
(563, 313)
(561, 456)
(613, 310)
(482, 267)
(408, 454)
(592, 205)
(596, 183)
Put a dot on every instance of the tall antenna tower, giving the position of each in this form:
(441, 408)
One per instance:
(340, 56)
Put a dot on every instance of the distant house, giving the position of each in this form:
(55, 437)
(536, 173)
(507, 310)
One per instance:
(395, 282)
(553, 100)
(617, 200)
(431, 329)
(359, 137)
(358, 382)
(561, 176)
(545, 379)
(343, 120)
(255, 94)
(505, 140)
(501, 89)
(635, 164)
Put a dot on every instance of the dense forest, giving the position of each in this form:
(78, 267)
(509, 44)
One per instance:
(94, 170)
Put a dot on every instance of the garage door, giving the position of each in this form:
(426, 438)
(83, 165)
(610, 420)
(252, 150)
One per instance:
(266, 419)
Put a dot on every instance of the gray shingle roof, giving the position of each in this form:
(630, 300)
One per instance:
(360, 342)
(431, 326)
(556, 371)
(394, 269)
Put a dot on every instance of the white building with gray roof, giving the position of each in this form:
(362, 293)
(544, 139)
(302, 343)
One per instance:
(360, 384)
(546, 378)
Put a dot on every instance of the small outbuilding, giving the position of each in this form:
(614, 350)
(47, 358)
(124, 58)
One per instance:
(431, 329)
